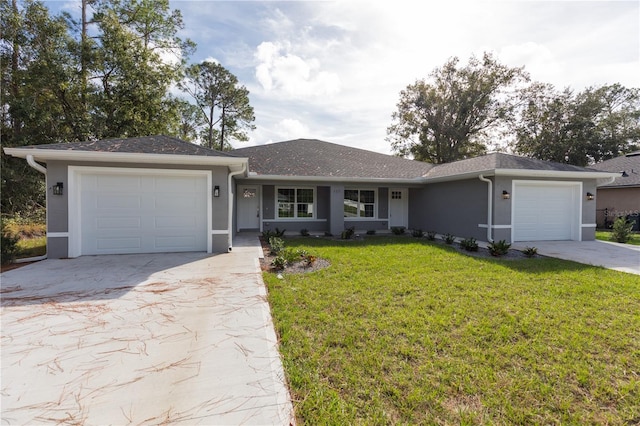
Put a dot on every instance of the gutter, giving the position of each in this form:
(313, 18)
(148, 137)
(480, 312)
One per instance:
(32, 162)
(489, 206)
(231, 200)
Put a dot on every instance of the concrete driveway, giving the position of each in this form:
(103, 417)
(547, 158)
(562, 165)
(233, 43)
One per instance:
(620, 257)
(141, 339)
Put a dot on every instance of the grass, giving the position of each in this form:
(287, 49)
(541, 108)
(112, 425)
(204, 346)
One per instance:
(32, 234)
(400, 331)
(606, 236)
(31, 247)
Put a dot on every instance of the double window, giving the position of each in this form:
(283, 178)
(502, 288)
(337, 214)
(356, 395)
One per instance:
(359, 203)
(295, 203)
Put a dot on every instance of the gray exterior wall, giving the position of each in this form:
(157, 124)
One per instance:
(456, 207)
(58, 213)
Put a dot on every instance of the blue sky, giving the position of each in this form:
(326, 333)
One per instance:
(333, 70)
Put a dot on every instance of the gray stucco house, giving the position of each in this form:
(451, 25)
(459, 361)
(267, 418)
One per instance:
(161, 194)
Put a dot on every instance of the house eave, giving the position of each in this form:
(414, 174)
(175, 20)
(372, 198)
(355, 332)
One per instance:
(555, 174)
(319, 179)
(44, 155)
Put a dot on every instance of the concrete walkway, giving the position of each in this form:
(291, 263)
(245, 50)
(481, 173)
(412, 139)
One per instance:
(181, 338)
(620, 257)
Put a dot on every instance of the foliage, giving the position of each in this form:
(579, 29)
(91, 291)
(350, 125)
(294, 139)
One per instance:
(622, 230)
(499, 248)
(634, 238)
(397, 230)
(451, 116)
(223, 103)
(347, 234)
(276, 245)
(9, 244)
(431, 235)
(469, 244)
(596, 124)
(268, 233)
(279, 263)
(448, 238)
(404, 331)
(304, 232)
(530, 251)
(417, 233)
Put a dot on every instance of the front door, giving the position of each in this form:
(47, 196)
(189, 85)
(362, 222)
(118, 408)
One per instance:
(248, 199)
(398, 207)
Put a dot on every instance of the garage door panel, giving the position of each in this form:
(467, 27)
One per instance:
(128, 213)
(544, 211)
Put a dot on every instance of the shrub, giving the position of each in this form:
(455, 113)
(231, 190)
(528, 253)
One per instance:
(397, 230)
(530, 251)
(304, 232)
(309, 260)
(347, 233)
(418, 233)
(469, 244)
(328, 234)
(371, 232)
(431, 235)
(9, 244)
(276, 245)
(499, 248)
(279, 263)
(290, 256)
(448, 238)
(267, 234)
(621, 230)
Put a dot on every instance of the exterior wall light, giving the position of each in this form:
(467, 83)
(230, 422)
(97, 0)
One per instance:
(505, 195)
(590, 196)
(58, 188)
(216, 191)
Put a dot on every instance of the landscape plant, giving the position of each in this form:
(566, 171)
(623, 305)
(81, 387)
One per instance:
(448, 238)
(417, 233)
(622, 230)
(530, 251)
(499, 248)
(469, 244)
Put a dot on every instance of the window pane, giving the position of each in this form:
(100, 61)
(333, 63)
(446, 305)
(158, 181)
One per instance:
(305, 196)
(367, 210)
(367, 196)
(350, 203)
(286, 195)
(305, 210)
(285, 209)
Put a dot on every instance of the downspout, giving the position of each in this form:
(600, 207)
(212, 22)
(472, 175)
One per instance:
(42, 170)
(489, 206)
(231, 201)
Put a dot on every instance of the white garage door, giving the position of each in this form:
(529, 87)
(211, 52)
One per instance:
(545, 211)
(145, 212)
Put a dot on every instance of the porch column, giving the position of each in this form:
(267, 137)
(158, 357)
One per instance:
(336, 209)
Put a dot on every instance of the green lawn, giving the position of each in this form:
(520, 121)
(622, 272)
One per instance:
(401, 331)
(606, 236)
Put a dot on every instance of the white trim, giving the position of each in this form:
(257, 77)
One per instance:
(576, 234)
(484, 225)
(376, 203)
(554, 174)
(405, 202)
(57, 235)
(295, 203)
(348, 180)
(219, 232)
(74, 202)
(589, 225)
(127, 157)
(291, 219)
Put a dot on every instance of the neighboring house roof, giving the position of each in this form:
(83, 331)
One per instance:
(312, 158)
(629, 164)
(145, 149)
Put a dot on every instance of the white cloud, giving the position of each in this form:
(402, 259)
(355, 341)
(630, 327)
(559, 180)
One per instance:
(290, 75)
(291, 129)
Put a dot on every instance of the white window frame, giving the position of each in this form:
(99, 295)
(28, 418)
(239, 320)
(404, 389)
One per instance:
(295, 203)
(375, 204)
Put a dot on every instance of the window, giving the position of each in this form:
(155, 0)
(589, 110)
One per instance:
(396, 195)
(295, 203)
(359, 203)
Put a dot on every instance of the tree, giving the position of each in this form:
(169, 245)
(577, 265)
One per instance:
(594, 125)
(223, 103)
(451, 117)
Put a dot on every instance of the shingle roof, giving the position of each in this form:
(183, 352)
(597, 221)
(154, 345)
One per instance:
(495, 161)
(315, 158)
(629, 163)
(140, 145)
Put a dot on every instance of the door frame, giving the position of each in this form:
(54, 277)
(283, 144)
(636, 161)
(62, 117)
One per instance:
(405, 204)
(239, 196)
